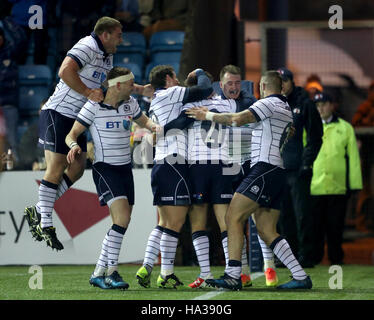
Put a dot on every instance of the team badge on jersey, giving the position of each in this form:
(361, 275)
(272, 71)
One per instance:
(255, 189)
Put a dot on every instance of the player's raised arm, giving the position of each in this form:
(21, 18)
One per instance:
(145, 122)
(69, 73)
(229, 119)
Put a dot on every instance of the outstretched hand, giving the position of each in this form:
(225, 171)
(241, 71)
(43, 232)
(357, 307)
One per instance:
(197, 113)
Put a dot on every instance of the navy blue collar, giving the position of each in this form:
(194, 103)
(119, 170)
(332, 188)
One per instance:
(283, 98)
(99, 43)
(106, 106)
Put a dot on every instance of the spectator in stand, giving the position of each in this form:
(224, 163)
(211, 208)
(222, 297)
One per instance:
(336, 172)
(20, 15)
(364, 117)
(167, 15)
(78, 19)
(313, 85)
(9, 90)
(296, 220)
(127, 12)
(145, 9)
(31, 157)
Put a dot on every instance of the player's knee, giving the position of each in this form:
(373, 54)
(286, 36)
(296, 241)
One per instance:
(75, 173)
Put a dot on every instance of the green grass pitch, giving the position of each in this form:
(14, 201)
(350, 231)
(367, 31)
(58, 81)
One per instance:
(71, 283)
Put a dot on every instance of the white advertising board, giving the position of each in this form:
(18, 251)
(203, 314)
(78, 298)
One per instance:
(80, 222)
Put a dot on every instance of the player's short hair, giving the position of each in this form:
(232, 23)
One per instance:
(273, 80)
(117, 72)
(230, 68)
(157, 76)
(106, 24)
(192, 80)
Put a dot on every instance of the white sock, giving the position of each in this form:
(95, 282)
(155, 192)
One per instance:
(115, 237)
(200, 242)
(153, 247)
(267, 254)
(284, 253)
(64, 185)
(234, 269)
(102, 263)
(168, 246)
(47, 196)
(225, 246)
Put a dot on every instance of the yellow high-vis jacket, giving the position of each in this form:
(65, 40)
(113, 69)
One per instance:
(337, 160)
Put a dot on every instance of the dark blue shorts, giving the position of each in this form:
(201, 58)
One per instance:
(53, 129)
(265, 185)
(170, 184)
(244, 170)
(210, 184)
(113, 182)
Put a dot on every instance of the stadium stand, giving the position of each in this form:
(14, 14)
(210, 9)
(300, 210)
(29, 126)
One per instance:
(34, 85)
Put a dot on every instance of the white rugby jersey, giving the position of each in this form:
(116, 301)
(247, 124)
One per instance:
(94, 65)
(274, 116)
(110, 129)
(240, 141)
(166, 106)
(209, 140)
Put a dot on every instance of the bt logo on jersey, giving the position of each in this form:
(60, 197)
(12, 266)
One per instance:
(96, 75)
(113, 124)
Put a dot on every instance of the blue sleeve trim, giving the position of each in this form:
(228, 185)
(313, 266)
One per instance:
(255, 114)
(83, 122)
(76, 60)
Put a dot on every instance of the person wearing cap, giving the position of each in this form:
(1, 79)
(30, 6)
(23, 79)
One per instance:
(296, 220)
(336, 171)
(109, 123)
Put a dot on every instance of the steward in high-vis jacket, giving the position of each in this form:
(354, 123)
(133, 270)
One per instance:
(336, 171)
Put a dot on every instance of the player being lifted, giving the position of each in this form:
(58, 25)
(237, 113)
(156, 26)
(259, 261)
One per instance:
(109, 123)
(82, 72)
(170, 184)
(263, 187)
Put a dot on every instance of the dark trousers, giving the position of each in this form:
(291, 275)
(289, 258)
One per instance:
(296, 219)
(329, 214)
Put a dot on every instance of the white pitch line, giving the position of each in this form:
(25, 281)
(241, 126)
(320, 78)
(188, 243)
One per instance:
(213, 294)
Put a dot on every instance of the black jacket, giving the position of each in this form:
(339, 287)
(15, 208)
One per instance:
(305, 116)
